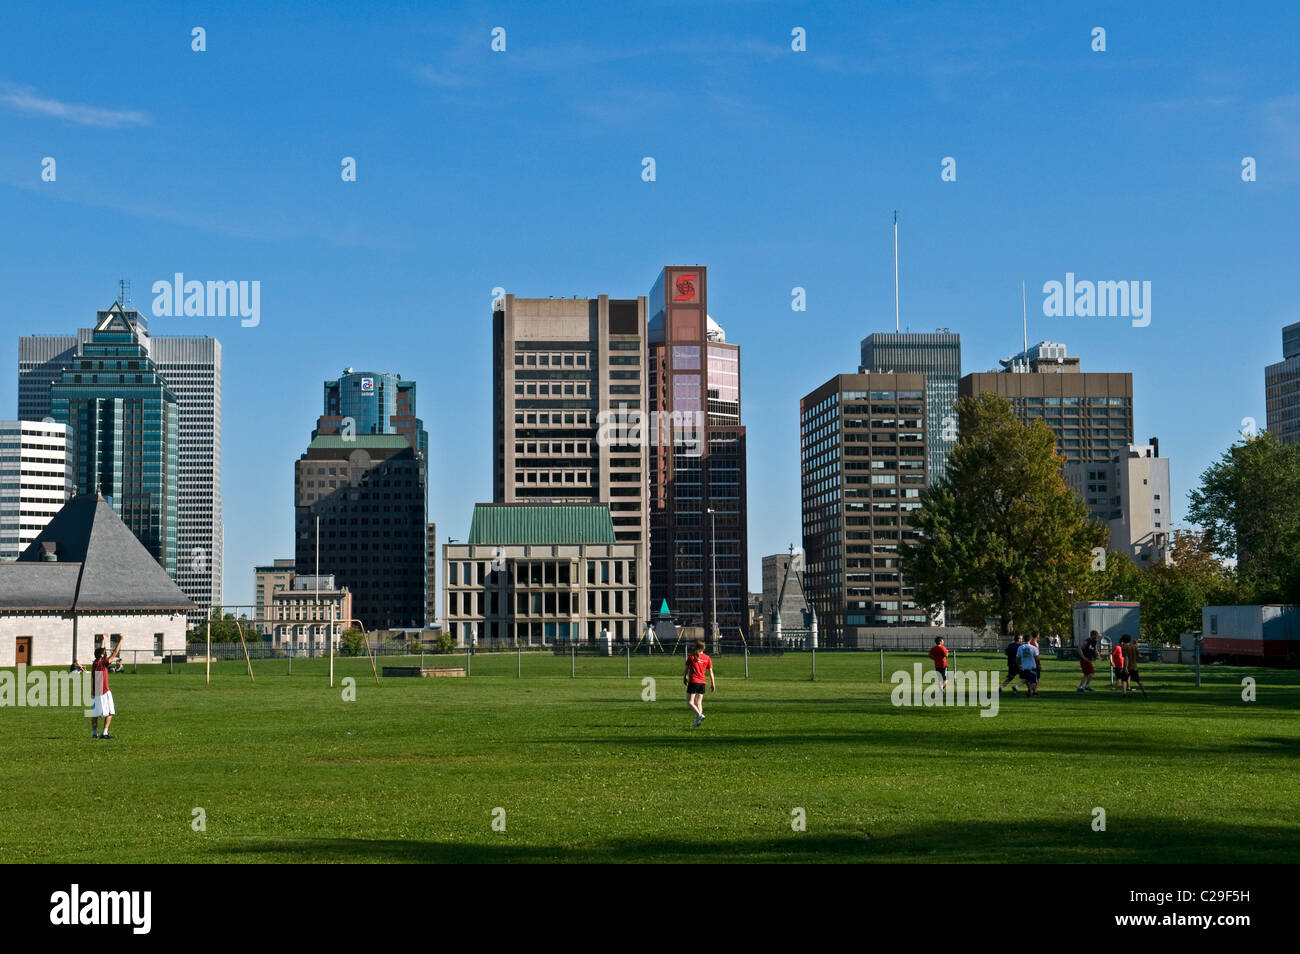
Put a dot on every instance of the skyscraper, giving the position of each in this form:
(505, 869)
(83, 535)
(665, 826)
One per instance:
(1282, 389)
(1090, 412)
(937, 355)
(864, 465)
(191, 366)
(367, 402)
(569, 393)
(370, 494)
(34, 481)
(124, 429)
(697, 459)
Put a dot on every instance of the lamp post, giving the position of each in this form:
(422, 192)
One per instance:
(713, 574)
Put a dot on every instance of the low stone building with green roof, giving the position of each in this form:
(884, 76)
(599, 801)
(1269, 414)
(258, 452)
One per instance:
(541, 573)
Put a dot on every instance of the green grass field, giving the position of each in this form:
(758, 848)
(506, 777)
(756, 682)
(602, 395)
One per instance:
(411, 771)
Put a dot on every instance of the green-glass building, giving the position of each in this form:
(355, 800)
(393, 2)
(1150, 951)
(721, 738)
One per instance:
(123, 441)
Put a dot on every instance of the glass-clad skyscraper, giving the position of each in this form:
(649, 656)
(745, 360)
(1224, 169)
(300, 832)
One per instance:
(937, 355)
(124, 424)
(370, 402)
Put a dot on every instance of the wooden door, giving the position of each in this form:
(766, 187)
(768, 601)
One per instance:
(23, 651)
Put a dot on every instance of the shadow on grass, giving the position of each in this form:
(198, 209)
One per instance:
(1127, 840)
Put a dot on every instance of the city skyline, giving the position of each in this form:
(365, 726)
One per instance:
(398, 269)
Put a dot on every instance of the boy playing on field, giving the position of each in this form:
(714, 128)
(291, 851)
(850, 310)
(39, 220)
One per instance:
(697, 664)
(939, 653)
(1117, 663)
(1013, 662)
(1087, 653)
(1131, 667)
(1029, 665)
(103, 699)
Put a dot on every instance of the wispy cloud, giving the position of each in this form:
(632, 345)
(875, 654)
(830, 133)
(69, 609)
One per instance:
(28, 100)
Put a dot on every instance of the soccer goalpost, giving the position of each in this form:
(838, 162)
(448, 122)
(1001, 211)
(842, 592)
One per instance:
(259, 623)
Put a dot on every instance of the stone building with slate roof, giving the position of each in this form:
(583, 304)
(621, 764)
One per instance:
(87, 581)
(540, 574)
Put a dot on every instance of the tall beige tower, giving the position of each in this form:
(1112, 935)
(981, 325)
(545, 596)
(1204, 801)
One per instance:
(569, 396)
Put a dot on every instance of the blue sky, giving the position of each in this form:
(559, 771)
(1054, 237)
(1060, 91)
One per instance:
(775, 169)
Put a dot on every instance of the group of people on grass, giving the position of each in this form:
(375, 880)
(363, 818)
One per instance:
(1024, 663)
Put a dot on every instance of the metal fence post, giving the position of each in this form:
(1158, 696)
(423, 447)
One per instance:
(573, 661)
(291, 659)
(1196, 650)
(882, 665)
(171, 664)
(629, 662)
(519, 661)
(469, 660)
(746, 662)
(814, 663)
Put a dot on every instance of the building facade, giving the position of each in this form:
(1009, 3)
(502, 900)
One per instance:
(569, 395)
(1282, 389)
(540, 574)
(309, 615)
(699, 556)
(191, 366)
(370, 495)
(267, 581)
(35, 481)
(1130, 495)
(370, 402)
(937, 355)
(863, 467)
(86, 582)
(124, 426)
(1091, 413)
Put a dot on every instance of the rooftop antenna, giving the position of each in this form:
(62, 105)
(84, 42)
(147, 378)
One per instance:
(123, 292)
(896, 271)
(1024, 320)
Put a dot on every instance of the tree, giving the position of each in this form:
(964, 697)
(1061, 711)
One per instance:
(1249, 505)
(1177, 592)
(352, 642)
(1002, 535)
(224, 629)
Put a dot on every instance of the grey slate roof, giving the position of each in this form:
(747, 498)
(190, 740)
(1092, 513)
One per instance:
(101, 566)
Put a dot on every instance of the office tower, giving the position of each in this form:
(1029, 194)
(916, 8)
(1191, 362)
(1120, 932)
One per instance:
(431, 574)
(864, 465)
(267, 581)
(569, 394)
(1129, 493)
(1282, 389)
(541, 573)
(34, 481)
(368, 402)
(698, 514)
(937, 355)
(370, 495)
(124, 433)
(1090, 412)
(191, 366)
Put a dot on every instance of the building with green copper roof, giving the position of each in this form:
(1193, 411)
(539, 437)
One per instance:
(537, 574)
(541, 523)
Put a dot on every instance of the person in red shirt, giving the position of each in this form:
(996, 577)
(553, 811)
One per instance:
(697, 664)
(103, 698)
(1117, 663)
(939, 653)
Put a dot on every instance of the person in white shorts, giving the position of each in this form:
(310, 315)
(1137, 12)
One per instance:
(103, 698)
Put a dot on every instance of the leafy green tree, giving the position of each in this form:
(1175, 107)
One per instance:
(352, 642)
(1002, 535)
(1177, 592)
(224, 629)
(1249, 505)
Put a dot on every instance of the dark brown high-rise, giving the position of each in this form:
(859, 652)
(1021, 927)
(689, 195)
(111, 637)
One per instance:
(698, 541)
